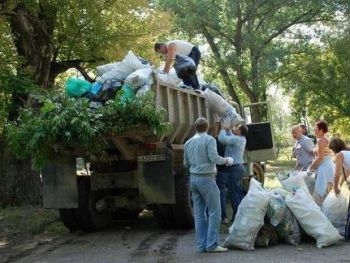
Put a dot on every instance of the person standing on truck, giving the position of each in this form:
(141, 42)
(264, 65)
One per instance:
(174, 47)
(303, 149)
(235, 143)
(201, 156)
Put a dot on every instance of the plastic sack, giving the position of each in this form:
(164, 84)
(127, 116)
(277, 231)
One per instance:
(336, 210)
(77, 87)
(139, 78)
(120, 70)
(276, 209)
(267, 236)
(294, 182)
(170, 79)
(312, 220)
(143, 90)
(95, 88)
(126, 94)
(249, 218)
(184, 66)
(218, 105)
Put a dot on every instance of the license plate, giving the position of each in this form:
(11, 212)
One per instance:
(151, 158)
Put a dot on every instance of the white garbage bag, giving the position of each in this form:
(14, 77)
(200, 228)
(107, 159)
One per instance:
(336, 210)
(249, 218)
(311, 218)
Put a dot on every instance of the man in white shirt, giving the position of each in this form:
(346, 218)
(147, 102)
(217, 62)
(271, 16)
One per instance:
(181, 47)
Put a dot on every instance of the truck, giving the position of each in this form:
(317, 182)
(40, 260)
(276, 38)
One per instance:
(143, 170)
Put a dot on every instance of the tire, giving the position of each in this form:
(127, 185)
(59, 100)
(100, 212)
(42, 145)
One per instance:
(88, 218)
(68, 218)
(179, 215)
(182, 210)
(258, 172)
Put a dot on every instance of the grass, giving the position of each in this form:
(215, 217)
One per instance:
(17, 222)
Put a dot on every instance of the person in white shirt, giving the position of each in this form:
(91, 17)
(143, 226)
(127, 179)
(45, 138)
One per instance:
(181, 47)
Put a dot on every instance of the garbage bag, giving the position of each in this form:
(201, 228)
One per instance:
(184, 66)
(77, 87)
(311, 219)
(126, 94)
(336, 210)
(249, 218)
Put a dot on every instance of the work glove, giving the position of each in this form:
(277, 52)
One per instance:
(229, 161)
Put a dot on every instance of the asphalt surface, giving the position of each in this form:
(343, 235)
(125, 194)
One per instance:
(143, 241)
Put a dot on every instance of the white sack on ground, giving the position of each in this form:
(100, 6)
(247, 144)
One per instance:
(294, 182)
(336, 210)
(312, 220)
(249, 218)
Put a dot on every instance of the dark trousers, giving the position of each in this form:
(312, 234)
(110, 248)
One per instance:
(191, 79)
(230, 181)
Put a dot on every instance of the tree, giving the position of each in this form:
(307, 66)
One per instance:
(48, 37)
(248, 39)
(320, 82)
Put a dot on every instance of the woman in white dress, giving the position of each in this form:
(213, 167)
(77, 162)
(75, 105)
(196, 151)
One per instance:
(323, 163)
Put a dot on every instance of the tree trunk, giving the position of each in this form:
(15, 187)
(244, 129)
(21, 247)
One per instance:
(19, 184)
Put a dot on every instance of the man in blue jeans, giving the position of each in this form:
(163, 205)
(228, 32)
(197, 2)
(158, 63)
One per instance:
(232, 177)
(201, 156)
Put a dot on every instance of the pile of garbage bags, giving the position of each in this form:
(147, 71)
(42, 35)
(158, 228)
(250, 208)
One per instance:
(134, 76)
(265, 217)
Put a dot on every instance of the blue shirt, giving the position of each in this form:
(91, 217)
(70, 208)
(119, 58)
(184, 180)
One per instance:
(235, 145)
(304, 152)
(201, 156)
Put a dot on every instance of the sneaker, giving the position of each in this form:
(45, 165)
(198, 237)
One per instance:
(218, 249)
(225, 221)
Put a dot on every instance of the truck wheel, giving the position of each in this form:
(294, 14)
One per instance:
(88, 217)
(68, 218)
(179, 215)
(163, 215)
(182, 210)
(258, 172)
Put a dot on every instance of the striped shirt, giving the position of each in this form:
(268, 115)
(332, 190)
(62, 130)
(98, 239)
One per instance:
(201, 156)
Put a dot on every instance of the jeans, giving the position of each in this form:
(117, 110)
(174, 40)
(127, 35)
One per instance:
(207, 211)
(230, 180)
(192, 79)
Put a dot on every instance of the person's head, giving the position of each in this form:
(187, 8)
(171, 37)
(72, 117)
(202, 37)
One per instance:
(321, 128)
(303, 128)
(296, 131)
(337, 145)
(160, 48)
(241, 129)
(201, 124)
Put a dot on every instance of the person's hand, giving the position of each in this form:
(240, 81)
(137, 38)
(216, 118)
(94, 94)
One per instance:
(225, 125)
(229, 161)
(336, 190)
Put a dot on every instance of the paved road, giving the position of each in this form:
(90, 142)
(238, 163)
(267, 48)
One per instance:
(145, 242)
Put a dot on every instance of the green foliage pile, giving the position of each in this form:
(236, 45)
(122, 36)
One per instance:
(66, 124)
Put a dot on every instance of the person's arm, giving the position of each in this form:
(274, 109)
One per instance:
(321, 144)
(227, 139)
(309, 146)
(213, 155)
(339, 160)
(170, 57)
